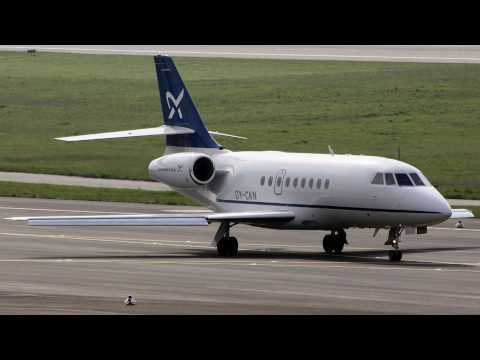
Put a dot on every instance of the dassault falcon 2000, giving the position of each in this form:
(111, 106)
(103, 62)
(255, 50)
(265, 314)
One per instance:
(272, 189)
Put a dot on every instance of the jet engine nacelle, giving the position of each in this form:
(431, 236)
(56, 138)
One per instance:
(183, 170)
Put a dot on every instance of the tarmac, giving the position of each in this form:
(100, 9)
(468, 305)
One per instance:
(82, 181)
(175, 271)
(468, 54)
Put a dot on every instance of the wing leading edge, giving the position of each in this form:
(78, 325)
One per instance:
(197, 219)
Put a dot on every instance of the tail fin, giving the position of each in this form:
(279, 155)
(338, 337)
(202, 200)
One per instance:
(179, 109)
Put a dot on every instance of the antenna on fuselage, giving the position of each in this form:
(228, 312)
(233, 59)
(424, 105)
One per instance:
(332, 152)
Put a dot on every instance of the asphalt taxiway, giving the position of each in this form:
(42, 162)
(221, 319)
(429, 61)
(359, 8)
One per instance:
(395, 53)
(175, 271)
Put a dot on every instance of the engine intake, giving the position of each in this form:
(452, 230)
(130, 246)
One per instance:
(203, 170)
(183, 170)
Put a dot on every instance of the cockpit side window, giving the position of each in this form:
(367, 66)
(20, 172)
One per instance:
(378, 179)
(403, 180)
(389, 179)
(416, 179)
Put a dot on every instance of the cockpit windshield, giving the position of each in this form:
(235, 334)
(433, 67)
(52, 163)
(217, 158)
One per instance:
(403, 180)
(416, 179)
(400, 179)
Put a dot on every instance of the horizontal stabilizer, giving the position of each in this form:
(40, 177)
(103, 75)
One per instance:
(461, 214)
(194, 219)
(227, 135)
(158, 131)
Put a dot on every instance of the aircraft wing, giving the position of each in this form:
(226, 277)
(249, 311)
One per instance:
(197, 219)
(461, 214)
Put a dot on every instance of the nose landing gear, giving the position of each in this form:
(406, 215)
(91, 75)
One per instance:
(335, 242)
(394, 234)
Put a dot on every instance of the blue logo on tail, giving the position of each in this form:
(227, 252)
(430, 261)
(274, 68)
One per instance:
(179, 109)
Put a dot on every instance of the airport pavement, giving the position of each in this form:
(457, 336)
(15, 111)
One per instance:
(396, 53)
(174, 270)
(82, 181)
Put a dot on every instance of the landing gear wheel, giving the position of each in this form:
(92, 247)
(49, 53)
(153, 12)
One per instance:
(228, 247)
(395, 255)
(340, 241)
(339, 244)
(329, 244)
(335, 242)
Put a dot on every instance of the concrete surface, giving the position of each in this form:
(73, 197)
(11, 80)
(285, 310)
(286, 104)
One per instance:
(174, 271)
(396, 53)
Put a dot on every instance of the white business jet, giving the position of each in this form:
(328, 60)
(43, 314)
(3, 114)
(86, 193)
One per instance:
(270, 189)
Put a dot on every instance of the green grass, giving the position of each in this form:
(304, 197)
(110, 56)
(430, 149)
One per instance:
(432, 111)
(9, 189)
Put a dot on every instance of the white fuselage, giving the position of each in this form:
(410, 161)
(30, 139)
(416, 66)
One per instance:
(324, 191)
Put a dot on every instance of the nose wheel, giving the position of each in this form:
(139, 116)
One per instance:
(396, 254)
(335, 242)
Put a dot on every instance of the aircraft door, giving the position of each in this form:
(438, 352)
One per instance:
(279, 180)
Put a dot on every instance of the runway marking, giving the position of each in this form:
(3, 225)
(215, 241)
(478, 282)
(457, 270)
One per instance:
(172, 243)
(126, 241)
(280, 264)
(72, 211)
(255, 54)
(454, 229)
(161, 242)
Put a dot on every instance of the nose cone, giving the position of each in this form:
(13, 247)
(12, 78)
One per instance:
(441, 206)
(445, 209)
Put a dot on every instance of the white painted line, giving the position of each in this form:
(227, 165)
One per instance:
(255, 54)
(69, 211)
(454, 229)
(128, 242)
(280, 264)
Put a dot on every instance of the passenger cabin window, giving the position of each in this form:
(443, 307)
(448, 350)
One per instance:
(270, 181)
(279, 181)
(327, 184)
(304, 181)
(310, 184)
(319, 184)
(378, 179)
(295, 183)
(262, 181)
(403, 180)
(389, 179)
(416, 179)
(287, 182)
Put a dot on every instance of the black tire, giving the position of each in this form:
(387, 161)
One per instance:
(228, 247)
(233, 247)
(339, 244)
(328, 244)
(395, 255)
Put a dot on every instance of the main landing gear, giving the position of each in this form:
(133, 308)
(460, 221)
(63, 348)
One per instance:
(395, 255)
(227, 246)
(335, 242)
